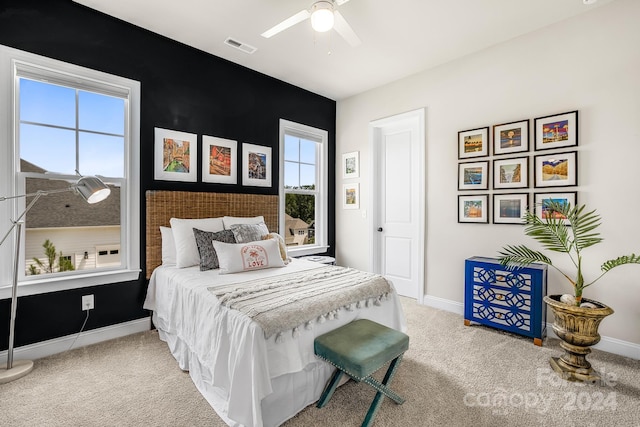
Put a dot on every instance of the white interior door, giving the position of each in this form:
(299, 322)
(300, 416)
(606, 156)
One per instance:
(397, 196)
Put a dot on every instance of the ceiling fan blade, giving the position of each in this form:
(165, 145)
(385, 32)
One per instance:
(345, 30)
(289, 22)
(341, 2)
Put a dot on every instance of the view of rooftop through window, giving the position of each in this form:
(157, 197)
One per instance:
(65, 132)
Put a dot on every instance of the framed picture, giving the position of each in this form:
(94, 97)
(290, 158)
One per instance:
(557, 131)
(473, 208)
(542, 199)
(219, 160)
(556, 170)
(511, 137)
(351, 165)
(510, 208)
(175, 155)
(256, 165)
(351, 196)
(473, 143)
(511, 173)
(473, 175)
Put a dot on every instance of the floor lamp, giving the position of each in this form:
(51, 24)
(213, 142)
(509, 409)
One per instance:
(93, 190)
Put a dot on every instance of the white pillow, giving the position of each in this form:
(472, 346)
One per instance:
(238, 257)
(231, 220)
(168, 246)
(186, 248)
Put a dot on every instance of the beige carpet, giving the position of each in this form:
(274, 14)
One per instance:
(452, 375)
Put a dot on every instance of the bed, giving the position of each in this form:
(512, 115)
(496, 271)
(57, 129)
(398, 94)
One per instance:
(253, 370)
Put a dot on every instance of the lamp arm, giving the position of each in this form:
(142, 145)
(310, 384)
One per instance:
(33, 202)
(40, 193)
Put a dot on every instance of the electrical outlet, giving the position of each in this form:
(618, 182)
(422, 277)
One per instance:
(87, 302)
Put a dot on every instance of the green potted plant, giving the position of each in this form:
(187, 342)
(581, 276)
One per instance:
(569, 230)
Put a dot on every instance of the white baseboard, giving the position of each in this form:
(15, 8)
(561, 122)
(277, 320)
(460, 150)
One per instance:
(444, 304)
(608, 344)
(94, 336)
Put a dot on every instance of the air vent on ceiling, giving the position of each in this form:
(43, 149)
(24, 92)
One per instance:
(240, 46)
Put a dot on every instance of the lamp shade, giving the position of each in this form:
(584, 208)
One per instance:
(92, 189)
(322, 16)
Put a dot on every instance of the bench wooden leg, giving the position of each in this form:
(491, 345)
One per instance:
(382, 391)
(330, 388)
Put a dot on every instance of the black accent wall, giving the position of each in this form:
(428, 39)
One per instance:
(183, 89)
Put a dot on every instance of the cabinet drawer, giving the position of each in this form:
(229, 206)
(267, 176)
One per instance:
(506, 299)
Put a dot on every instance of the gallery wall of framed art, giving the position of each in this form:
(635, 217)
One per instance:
(515, 172)
(176, 159)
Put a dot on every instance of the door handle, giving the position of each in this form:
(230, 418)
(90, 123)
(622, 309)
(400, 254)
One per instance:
(380, 229)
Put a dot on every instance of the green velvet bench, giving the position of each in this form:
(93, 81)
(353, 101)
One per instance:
(359, 349)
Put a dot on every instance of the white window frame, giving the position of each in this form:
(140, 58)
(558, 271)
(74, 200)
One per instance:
(13, 63)
(322, 216)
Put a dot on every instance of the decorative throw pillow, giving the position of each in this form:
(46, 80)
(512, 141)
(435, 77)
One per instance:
(186, 248)
(281, 245)
(233, 220)
(168, 246)
(249, 232)
(235, 258)
(204, 239)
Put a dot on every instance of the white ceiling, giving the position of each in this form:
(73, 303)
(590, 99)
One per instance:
(399, 37)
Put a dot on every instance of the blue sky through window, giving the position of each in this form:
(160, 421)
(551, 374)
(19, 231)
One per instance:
(48, 130)
(300, 162)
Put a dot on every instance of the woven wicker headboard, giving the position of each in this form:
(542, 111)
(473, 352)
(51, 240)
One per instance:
(164, 205)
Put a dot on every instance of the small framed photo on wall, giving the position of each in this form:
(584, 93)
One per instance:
(351, 165)
(219, 160)
(473, 208)
(473, 175)
(556, 131)
(510, 208)
(556, 170)
(511, 138)
(351, 196)
(256, 165)
(543, 199)
(511, 173)
(175, 155)
(473, 143)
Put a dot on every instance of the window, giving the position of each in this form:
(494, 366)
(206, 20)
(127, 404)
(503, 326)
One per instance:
(69, 122)
(303, 188)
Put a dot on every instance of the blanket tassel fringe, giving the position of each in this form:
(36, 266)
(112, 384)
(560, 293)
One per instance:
(334, 314)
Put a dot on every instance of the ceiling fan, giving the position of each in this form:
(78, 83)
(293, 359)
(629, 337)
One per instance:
(324, 16)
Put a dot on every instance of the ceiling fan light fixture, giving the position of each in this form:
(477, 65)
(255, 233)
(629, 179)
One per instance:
(322, 16)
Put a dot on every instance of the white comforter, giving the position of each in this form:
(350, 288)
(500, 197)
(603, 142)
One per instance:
(228, 357)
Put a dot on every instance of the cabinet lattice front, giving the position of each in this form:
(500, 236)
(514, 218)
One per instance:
(506, 299)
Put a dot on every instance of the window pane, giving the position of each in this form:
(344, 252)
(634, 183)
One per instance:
(46, 103)
(300, 219)
(51, 149)
(63, 225)
(101, 113)
(307, 151)
(291, 175)
(101, 155)
(291, 148)
(308, 176)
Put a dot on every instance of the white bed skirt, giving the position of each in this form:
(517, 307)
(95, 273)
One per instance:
(291, 392)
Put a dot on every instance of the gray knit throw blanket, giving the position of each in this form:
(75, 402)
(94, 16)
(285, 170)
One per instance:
(299, 299)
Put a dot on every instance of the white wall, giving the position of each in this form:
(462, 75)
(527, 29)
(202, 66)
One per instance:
(590, 63)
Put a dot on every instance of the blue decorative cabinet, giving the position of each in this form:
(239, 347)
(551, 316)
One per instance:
(506, 299)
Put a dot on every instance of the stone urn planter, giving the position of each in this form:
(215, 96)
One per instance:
(577, 327)
(561, 228)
